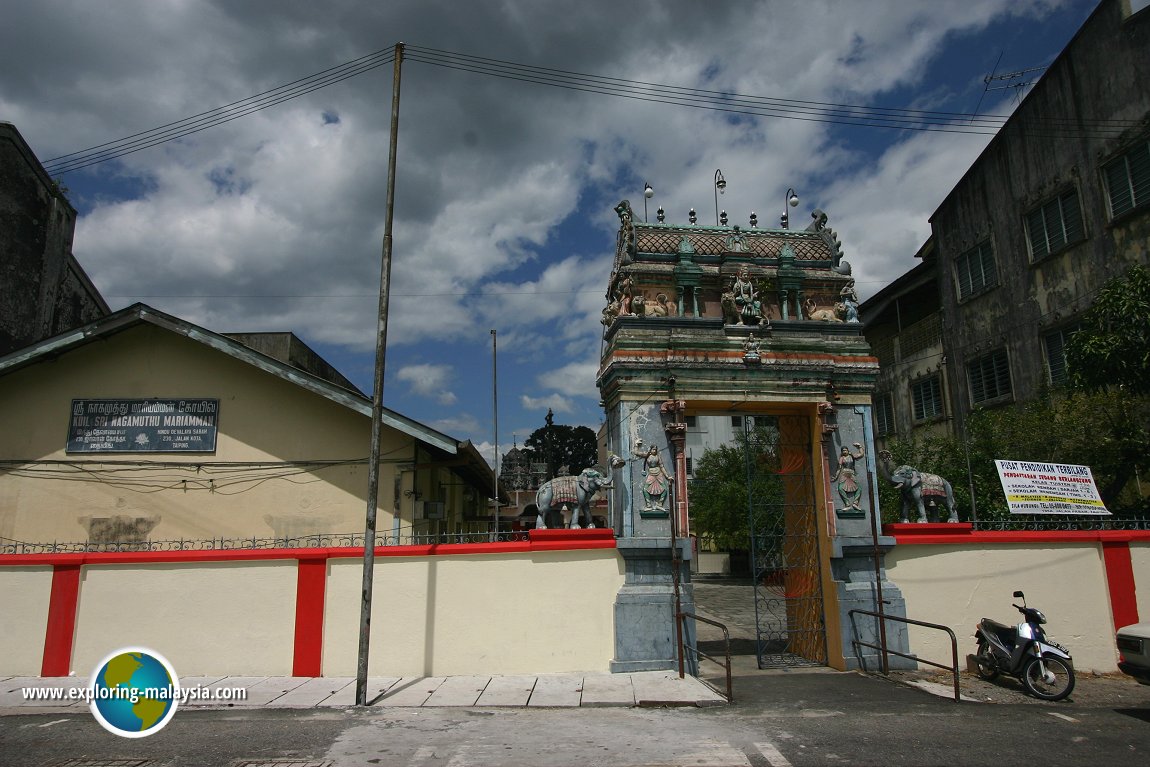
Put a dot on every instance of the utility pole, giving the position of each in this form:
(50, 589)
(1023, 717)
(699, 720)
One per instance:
(377, 397)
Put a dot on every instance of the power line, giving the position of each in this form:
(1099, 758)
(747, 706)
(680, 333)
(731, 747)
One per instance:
(721, 101)
(218, 116)
(367, 296)
(847, 114)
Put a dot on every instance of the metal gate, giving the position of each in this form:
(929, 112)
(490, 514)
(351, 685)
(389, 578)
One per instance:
(785, 562)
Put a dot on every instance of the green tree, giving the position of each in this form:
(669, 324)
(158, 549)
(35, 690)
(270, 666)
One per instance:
(1112, 349)
(559, 445)
(722, 486)
(1101, 421)
(1109, 356)
(1106, 431)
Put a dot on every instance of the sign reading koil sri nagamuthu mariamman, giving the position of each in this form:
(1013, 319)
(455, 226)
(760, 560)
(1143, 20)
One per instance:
(143, 425)
(1049, 488)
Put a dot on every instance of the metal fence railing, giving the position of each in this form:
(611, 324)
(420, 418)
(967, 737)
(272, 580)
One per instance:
(697, 653)
(1052, 522)
(319, 541)
(953, 667)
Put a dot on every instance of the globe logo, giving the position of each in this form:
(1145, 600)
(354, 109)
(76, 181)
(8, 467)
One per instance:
(134, 692)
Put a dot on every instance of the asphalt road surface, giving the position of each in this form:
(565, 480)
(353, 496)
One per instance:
(779, 719)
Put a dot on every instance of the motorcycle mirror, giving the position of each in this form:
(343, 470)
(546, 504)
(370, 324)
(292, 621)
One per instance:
(1019, 595)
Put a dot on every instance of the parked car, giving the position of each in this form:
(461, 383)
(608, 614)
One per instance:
(1134, 648)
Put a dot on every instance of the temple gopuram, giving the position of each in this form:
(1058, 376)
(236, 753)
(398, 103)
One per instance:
(731, 335)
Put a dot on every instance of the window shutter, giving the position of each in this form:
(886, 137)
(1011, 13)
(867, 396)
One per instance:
(1036, 228)
(1072, 217)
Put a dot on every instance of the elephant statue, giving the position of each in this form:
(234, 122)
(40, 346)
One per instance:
(573, 492)
(918, 488)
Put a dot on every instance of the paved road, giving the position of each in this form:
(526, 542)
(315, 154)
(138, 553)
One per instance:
(788, 718)
(781, 718)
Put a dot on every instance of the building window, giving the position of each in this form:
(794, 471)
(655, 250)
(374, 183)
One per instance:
(1054, 225)
(989, 377)
(1055, 344)
(924, 334)
(927, 397)
(1128, 180)
(883, 414)
(974, 270)
(690, 466)
(692, 422)
(883, 349)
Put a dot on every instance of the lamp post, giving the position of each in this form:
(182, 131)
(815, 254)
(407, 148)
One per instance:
(792, 200)
(495, 422)
(720, 186)
(648, 193)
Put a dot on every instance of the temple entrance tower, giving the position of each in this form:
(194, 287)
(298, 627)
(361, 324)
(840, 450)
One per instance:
(712, 332)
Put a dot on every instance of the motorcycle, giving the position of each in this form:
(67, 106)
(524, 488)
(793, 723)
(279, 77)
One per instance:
(1042, 665)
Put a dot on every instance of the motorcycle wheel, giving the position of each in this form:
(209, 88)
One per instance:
(1059, 680)
(984, 662)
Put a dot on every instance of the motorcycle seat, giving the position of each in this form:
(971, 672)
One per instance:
(1005, 633)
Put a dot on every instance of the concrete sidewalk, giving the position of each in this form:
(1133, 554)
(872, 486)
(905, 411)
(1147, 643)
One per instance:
(652, 688)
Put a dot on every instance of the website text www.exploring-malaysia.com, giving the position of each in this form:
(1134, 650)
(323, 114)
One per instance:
(133, 695)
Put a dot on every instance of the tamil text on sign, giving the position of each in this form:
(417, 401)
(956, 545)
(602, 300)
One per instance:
(143, 425)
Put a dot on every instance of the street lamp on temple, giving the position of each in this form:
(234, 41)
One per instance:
(793, 201)
(720, 187)
(648, 193)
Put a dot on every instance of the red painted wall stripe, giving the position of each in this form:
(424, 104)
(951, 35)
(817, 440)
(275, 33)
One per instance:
(311, 588)
(1120, 581)
(962, 534)
(61, 629)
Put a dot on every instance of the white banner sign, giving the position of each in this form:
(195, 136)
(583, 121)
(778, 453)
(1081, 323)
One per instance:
(1049, 488)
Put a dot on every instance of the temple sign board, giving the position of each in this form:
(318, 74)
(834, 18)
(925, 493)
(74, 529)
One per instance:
(1049, 488)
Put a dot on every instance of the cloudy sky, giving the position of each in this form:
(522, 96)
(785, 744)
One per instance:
(504, 188)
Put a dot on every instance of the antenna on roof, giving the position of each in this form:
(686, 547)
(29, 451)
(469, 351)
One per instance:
(1011, 80)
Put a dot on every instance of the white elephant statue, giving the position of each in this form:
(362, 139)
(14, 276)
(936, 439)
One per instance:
(574, 492)
(917, 488)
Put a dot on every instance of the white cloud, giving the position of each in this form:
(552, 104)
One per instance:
(555, 402)
(504, 189)
(457, 425)
(428, 380)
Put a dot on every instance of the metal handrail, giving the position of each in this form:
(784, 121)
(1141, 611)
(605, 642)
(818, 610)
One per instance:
(953, 668)
(726, 664)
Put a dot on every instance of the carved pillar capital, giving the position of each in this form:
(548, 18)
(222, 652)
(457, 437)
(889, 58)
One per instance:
(826, 419)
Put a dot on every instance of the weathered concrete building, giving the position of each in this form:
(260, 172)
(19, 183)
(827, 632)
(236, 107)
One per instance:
(43, 290)
(904, 329)
(1051, 210)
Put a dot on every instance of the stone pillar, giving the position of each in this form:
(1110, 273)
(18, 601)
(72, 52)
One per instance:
(676, 432)
(854, 550)
(645, 634)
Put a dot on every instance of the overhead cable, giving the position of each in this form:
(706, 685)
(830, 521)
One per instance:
(218, 116)
(637, 90)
